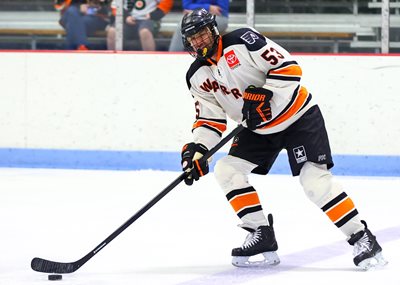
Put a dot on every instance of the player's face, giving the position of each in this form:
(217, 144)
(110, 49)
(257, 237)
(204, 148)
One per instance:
(202, 40)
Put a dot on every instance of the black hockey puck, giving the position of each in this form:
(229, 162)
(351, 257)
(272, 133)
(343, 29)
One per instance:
(54, 277)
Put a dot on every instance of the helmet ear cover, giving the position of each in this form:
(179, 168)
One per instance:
(195, 22)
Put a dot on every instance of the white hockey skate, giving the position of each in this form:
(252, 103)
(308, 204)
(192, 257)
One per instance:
(367, 252)
(259, 248)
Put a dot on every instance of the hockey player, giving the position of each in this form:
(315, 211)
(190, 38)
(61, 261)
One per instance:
(246, 76)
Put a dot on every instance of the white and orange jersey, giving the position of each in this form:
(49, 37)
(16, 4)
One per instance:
(147, 7)
(244, 58)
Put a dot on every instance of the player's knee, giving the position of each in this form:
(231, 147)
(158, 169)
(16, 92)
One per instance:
(317, 183)
(229, 176)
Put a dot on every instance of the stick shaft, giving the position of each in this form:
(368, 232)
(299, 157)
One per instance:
(47, 266)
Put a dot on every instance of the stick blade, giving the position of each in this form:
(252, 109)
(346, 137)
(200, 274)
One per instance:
(47, 266)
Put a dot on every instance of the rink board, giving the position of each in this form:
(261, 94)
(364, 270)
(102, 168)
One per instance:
(353, 165)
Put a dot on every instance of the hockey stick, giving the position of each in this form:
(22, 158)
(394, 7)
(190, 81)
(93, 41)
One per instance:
(47, 266)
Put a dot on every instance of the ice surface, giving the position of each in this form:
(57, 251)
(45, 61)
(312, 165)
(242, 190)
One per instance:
(187, 237)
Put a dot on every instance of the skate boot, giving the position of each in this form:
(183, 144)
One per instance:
(261, 243)
(367, 252)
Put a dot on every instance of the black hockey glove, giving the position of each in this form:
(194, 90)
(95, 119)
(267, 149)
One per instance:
(256, 108)
(191, 153)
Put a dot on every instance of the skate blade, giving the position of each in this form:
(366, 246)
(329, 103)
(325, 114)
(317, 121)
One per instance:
(269, 259)
(373, 263)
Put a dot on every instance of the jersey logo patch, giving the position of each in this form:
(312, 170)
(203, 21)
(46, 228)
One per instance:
(232, 59)
(140, 4)
(300, 154)
(249, 37)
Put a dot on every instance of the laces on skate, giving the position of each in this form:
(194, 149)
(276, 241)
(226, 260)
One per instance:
(252, 239)
(367, 252)
(259, 248)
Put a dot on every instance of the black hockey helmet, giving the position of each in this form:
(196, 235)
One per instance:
(193, 23)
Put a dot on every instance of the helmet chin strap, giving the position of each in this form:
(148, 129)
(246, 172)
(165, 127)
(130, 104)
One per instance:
(202, 52)
(206, 53)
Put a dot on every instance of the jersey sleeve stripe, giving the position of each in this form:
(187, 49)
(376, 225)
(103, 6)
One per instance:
(222, 121)
(301, 98)
(209, 128)
(289, 72)
(284, 64)
(284, 78)
(215, 126)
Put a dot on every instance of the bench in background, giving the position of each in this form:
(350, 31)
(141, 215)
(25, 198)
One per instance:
(333, 31)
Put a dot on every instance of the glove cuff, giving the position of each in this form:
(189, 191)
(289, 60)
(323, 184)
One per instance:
(201, 148)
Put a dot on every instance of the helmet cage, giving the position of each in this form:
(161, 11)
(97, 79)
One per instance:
(194, 23)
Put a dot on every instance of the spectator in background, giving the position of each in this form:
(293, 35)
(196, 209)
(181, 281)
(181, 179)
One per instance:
(110, 30)
(82, 18)
(219, 8)
(142, 21)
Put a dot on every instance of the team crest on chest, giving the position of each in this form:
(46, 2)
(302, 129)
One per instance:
(232, 59)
